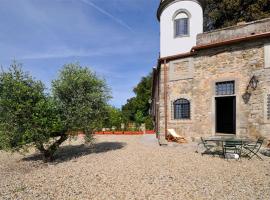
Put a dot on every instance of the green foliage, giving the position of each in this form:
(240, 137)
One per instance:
(26, 112)
(81, 97)
(137, 108)
(148, 122)
(139, 117)
(223, 13)
(113, 118)
(29, 116)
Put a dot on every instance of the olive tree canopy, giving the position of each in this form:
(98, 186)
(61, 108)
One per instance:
(29, 116)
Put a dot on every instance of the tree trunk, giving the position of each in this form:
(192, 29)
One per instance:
(48, 154)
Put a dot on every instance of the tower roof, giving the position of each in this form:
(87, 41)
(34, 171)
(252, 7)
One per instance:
(164, 3)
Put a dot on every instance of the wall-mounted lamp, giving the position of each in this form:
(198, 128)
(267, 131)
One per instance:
(253, 84)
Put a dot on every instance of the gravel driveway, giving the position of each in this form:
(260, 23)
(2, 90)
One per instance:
(132, 167)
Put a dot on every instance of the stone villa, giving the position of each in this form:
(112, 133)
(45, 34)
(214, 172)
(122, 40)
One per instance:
(210, 83)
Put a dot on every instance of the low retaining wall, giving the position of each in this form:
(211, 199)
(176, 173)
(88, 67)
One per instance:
(124, 132)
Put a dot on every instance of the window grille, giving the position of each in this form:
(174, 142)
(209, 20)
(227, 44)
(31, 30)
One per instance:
(181, 109)
(225, 88)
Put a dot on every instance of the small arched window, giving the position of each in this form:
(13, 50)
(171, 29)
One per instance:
(181, 24)
(181, 109)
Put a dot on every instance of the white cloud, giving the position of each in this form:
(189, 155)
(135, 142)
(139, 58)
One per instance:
(117, 20)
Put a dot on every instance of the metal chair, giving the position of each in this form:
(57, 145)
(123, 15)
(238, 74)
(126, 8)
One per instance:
(232, 147)
(209, 147)
(254, 148)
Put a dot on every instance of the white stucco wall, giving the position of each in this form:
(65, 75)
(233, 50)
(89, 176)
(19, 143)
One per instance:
(169, 45)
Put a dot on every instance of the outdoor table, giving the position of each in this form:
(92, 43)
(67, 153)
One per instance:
(224, 139)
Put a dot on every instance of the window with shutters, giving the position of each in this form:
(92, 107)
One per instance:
(181, 25)
(181, 109)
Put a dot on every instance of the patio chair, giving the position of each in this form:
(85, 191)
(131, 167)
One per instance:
(210, 148)
(173, 136)
(254, 148)
(233, 147)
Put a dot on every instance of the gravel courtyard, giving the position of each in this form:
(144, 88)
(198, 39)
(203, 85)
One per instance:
(132, 167)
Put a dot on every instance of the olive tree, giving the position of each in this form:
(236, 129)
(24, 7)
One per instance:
(31, 117)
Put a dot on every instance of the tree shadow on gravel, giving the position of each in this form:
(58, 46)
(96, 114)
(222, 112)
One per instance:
(70, 152)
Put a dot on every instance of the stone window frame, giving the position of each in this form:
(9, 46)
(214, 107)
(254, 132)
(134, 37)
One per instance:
(236, 94)
(266, 51)
(185, 11)
(236, 84)
(268, 107)
(187, 97)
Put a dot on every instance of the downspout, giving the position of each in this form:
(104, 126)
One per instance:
(165, 98)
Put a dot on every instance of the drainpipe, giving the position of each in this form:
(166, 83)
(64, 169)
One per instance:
(165, 98)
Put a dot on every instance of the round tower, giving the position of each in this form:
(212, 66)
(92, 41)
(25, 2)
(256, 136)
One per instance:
(180, 23)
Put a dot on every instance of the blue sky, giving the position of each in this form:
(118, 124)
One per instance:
(119, 39)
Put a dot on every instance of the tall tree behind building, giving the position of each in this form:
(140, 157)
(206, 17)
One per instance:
(223, 13)
(137, 108)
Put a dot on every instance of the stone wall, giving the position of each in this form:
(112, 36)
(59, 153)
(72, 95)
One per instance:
(233, 32)
(197, 83)
(161, 107)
